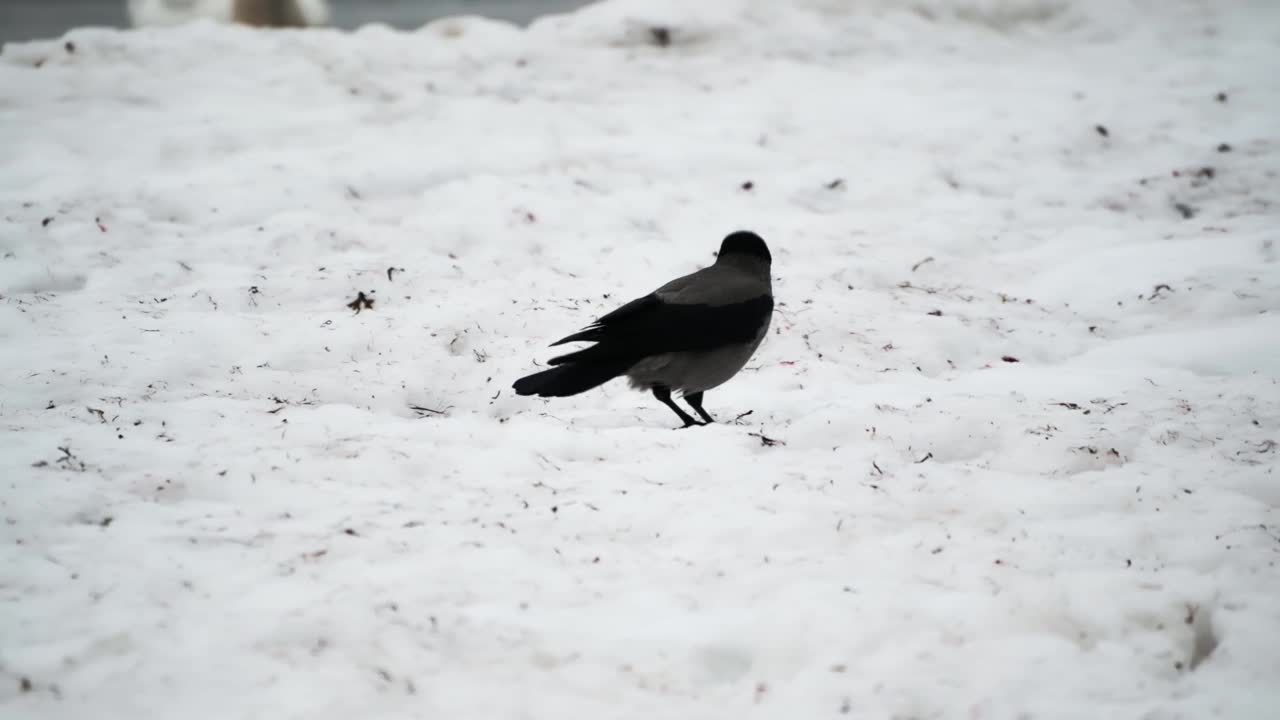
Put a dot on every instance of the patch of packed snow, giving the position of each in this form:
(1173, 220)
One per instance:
(1012, 445)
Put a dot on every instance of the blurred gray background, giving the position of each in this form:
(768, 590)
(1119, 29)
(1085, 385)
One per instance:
(39, 19)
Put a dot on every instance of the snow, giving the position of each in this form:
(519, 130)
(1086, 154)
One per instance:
(218, 501)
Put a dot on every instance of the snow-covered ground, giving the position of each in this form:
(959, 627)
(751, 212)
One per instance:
(1012, 449)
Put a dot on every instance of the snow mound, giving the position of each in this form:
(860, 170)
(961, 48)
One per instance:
(825, 27)
(1009, 450)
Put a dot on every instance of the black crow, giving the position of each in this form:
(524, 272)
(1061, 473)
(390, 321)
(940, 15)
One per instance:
(690, 335)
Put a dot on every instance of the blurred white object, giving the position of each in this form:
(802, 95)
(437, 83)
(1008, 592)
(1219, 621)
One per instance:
(144, 13)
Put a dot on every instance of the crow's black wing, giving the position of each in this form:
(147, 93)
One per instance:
(594, 331)
(648, 326)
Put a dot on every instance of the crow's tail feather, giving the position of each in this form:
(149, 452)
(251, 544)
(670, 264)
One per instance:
(569, 379)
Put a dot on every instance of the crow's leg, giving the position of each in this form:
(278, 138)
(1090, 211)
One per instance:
(695, 402)
(663, 393)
